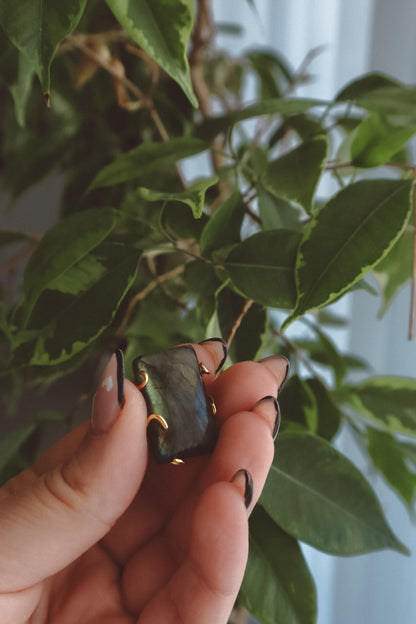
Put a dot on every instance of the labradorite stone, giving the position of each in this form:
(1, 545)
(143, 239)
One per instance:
(175, 390)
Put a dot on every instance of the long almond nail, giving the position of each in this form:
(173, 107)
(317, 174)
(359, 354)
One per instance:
(109, 398)
(286, 377)
(221, 350)
(244, 481)
(269, 409)
(279, 366)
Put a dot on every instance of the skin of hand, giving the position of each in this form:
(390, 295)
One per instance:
(97, 532)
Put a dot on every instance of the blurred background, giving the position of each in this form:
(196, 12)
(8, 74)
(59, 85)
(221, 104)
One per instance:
(350, 37)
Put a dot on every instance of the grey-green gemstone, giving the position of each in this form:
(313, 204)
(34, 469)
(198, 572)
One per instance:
(176, 392)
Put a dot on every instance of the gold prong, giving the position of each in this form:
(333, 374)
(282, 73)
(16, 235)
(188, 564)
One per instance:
(203, 369)
(159, 419)
(177, 461)
(214, 407)
(145, 379)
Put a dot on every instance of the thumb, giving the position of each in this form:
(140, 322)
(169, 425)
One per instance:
(51, 520)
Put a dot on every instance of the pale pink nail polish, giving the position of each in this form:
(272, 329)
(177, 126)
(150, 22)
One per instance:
(109, 397)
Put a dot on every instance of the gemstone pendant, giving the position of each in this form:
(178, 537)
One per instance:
(181, 415)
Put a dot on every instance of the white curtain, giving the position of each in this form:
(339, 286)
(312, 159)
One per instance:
(359, 36)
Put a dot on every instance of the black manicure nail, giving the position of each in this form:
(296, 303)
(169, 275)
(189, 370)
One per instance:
(225, 348)
(277, 423)
(120, 376)
(282, 385)
(248, 491)
(276, 407)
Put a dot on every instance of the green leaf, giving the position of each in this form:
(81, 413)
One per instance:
(145, 159)
(21, 89)
(65, 244)
(327, 353)
(65, 324)
(329, 415)
(298, 405)
(162, 28)
(177, 221)
(409, 452)
(193, 196)
(391, 100)
(295, 175)
(273, 73)
(378, 138)
(277, 585)
(388, 458)
(223, 227)
(262, 267)
(349, 235)
(395, 270)
(276, 213)
(365, 84)
(12, 442)
(202, 283)
(36, 27)
(318, 496)
(209, 128)
(249, 335)
(388, 401)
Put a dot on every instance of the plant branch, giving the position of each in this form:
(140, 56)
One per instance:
(79, 41)
(202, 38)
(146, 291)
(247, 305)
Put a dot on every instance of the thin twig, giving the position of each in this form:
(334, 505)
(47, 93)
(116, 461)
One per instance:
(146, 291)
(109, 35)
(237, 322)
(202, 38)
(330, 166)
(78, 41)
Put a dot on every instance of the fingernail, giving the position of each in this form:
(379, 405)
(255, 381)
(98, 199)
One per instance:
(221, 349)
(109, 397)
(286, 377)
(269, 409)
(244, 481)
(278, 364)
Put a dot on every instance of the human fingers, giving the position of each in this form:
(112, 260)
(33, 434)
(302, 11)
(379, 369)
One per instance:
(164, 485)
(68, 508)
(250, 414)
(205, 586)
(243, 384)
(245, 439)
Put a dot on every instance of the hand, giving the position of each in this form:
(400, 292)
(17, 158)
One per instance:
(95, 532)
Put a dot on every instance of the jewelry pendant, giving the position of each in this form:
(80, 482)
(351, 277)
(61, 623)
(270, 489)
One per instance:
(181, 419)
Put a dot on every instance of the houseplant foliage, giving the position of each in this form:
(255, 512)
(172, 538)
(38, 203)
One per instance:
(145, 254)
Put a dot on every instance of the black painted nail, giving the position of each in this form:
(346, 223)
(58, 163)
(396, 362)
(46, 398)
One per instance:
(120, 376)
(109, 397)
(277, 423)
(286, 377)
(225, 351)
(246, 480)
(270, 411)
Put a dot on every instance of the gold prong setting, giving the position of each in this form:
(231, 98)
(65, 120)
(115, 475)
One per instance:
(158, 419)
(145, 379)
(203, 369)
